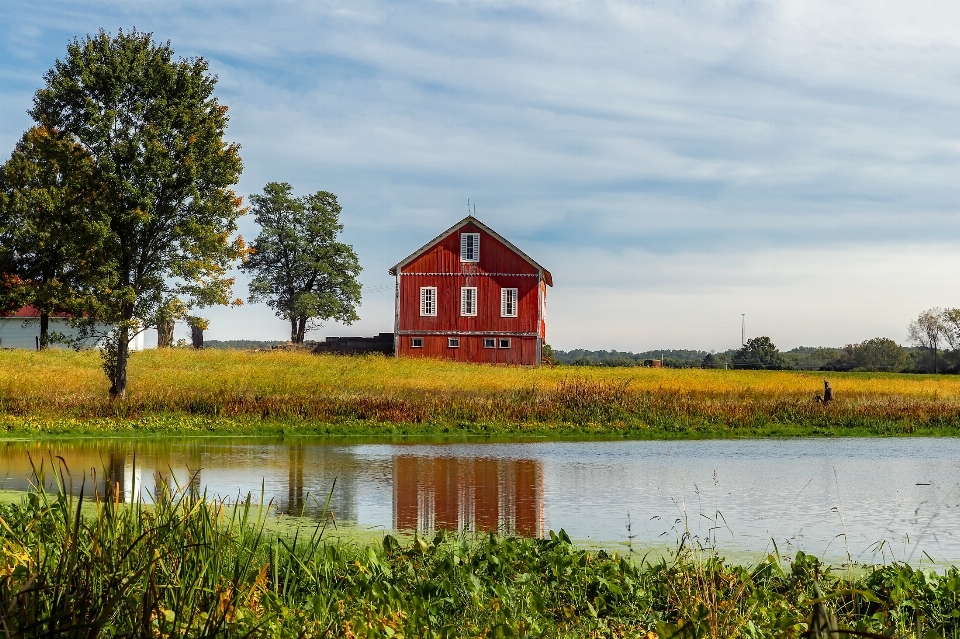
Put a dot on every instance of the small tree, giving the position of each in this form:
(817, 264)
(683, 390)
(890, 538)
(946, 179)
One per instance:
(154, 131)
(758, 353)
(48, 224)
(197, 326)
(167, 317)
(928, 331)
(299, 268)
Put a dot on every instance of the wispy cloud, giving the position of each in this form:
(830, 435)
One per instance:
(721, 156)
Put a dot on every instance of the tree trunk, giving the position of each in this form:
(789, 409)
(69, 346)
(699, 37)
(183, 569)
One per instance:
(44, 329)
(119, 388)
(298, 327)
(302, 329)
(196, 333)
(165, 334)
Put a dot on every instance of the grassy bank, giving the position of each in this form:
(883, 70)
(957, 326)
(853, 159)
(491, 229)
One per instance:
(190, 568)
(208, 392)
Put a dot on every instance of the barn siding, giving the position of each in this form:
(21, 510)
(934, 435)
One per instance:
(499, 267)
(444, 256)
(523, 350)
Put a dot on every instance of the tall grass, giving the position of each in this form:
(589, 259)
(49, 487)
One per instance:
(300, 386)
(188, 567)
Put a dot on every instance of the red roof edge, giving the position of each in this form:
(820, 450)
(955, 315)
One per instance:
(29, 311)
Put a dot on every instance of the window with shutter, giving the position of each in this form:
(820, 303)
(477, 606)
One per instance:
(428, 301)
(508, 302)
(469, 247)
(468, 301)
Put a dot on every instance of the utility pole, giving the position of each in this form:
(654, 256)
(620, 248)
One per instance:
(743, 329)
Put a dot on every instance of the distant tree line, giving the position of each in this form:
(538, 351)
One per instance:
(876, 354)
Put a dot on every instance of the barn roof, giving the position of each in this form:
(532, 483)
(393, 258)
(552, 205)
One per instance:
(547, 277)
(29, 311)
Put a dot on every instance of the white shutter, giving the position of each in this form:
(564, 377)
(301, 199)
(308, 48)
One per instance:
(428, 301)
(508, 302)
(468, 301)
(469, 247)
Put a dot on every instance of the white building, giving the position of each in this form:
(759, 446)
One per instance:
(22, 330)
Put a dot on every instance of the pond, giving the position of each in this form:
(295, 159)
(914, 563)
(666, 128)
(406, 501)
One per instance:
(867, 499)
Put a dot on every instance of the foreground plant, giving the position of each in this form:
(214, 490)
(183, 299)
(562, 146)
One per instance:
(186, 566)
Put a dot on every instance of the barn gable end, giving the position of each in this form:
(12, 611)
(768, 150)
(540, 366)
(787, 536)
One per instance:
(452, 303)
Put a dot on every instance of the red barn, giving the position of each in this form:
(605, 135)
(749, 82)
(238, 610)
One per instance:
(471, 296)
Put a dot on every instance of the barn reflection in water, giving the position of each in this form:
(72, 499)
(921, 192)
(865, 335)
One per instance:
(464, 494)
(427, 492)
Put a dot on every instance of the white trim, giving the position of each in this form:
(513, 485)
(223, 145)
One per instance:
(471, 220)
(469, 247)
(428, 301)
(507, 333)
(491, 341)
(509, 298)
(414, 340)
(468, 301)
(501, 340)
(474, 274)
(453, 342)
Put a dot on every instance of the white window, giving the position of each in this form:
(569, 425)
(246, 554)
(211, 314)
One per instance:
(508, 302)
(428, 301)
(489, 342)
(453, 342)
(504, 342)
(469, 247)
(468, 301)
(416, 342)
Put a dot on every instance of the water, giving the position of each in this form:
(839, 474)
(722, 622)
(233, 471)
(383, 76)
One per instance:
(869, 499)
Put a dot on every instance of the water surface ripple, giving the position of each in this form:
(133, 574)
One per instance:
(870, 498)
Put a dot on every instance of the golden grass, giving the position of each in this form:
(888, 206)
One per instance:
(301, 385)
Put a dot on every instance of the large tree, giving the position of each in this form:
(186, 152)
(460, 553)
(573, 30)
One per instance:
(299, 268)
(155, 133)
(49, 225)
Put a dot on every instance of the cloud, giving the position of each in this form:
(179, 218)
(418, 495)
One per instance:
(689, 147)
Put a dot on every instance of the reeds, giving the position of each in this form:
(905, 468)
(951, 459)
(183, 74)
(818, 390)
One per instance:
(188, 567)
(298, 387)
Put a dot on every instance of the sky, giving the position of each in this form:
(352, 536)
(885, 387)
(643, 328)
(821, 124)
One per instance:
(674, 164)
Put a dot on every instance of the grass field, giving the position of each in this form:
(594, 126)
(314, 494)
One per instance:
(182, 391)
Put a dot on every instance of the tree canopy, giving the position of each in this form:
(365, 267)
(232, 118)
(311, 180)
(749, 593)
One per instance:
(758, 353)
(155, 134)
(876, 354)
(49, 221)
(299, 268)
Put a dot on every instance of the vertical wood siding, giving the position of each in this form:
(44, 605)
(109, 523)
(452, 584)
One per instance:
(499, 267)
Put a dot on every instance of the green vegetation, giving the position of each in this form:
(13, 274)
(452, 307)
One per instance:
(299, 268)
(878, 354)
(59, 392)
(242, 344)
(189, 567)
(131, 183)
